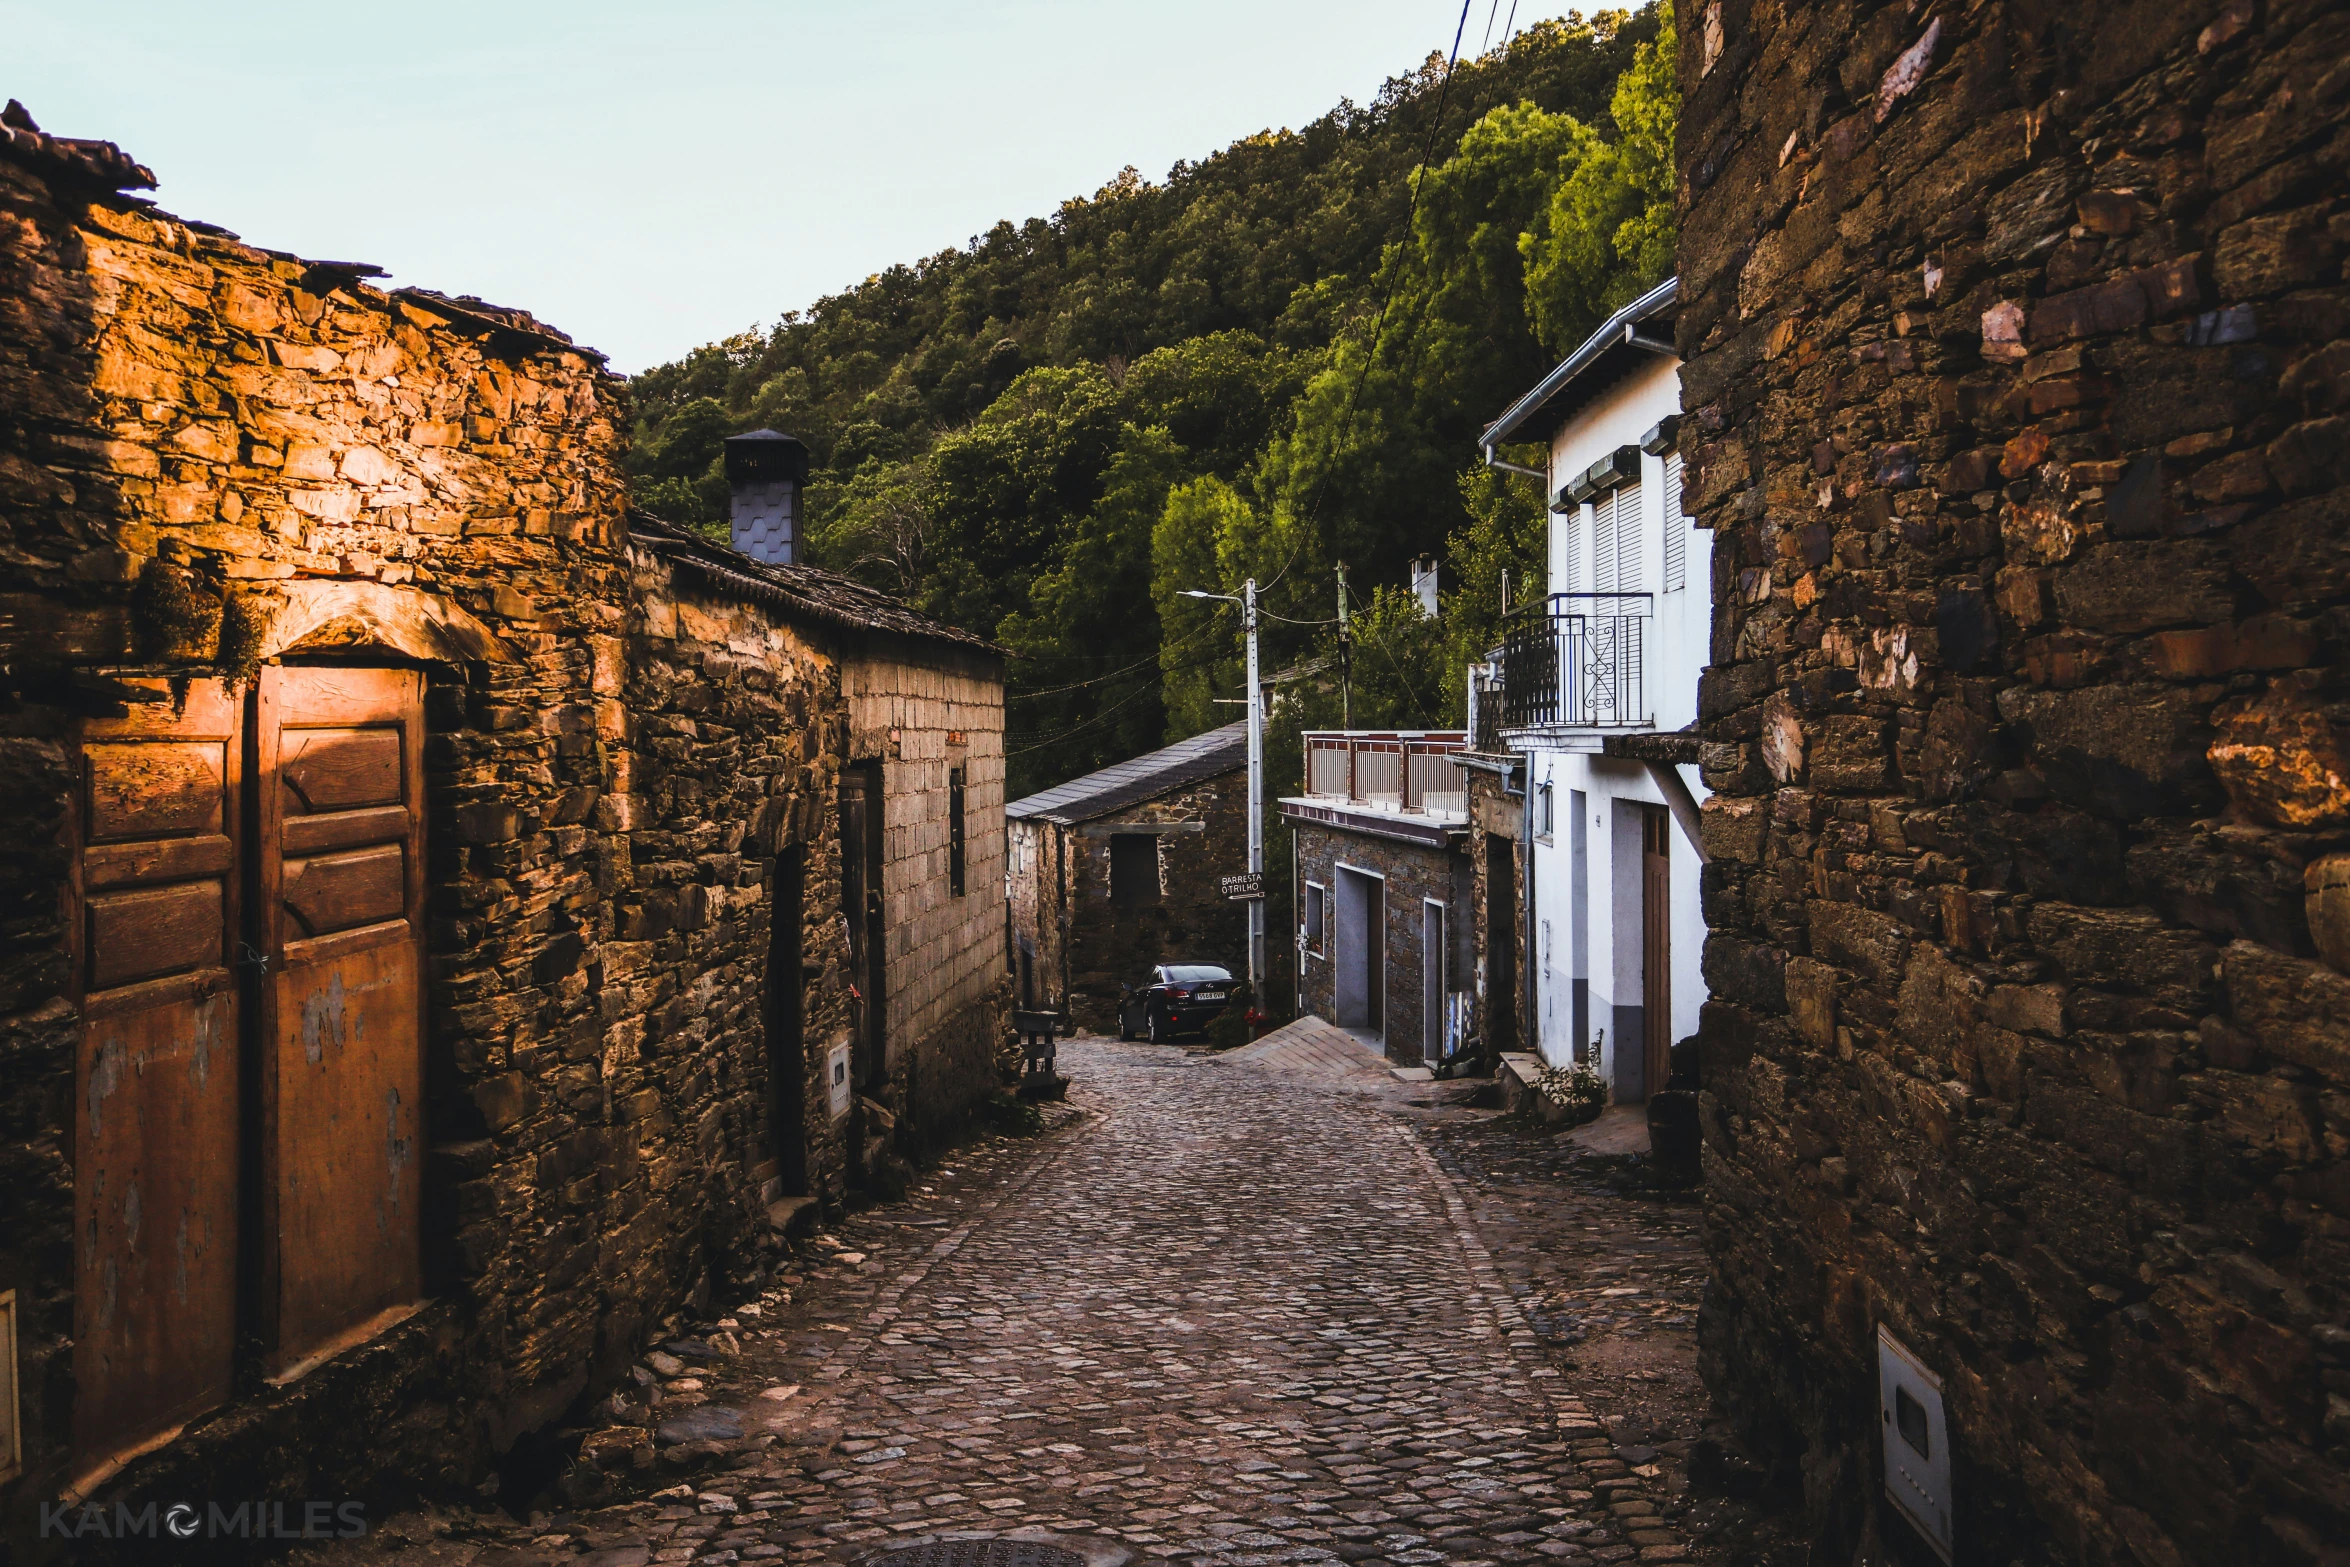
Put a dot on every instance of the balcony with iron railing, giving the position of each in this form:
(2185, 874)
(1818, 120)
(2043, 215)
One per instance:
(1576, 662)
(1389, 770)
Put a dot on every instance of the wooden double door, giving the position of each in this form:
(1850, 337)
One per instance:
(246, 907)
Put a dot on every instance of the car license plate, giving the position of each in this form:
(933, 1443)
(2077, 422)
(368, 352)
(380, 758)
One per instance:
(1209, 995)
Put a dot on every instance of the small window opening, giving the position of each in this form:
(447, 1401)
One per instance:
(955, 831)
(1134, 869)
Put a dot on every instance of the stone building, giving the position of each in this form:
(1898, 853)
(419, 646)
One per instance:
(2016, 359)
(1118, 871)
(1498, 909)
(396, 1023)
(1386, 942)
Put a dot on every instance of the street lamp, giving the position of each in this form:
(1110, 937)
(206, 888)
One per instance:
(1247, 601)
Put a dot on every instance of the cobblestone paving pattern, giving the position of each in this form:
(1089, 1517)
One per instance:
(1229, 1317)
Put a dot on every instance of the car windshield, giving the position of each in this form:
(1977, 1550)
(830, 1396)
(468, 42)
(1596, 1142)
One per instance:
(1197, 974)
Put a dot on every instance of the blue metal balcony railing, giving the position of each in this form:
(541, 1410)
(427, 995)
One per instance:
(1576, 662)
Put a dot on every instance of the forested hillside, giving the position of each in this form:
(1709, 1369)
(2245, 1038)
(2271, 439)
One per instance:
(1273, 361)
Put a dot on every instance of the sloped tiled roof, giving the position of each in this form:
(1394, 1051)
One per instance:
(1138, 778)
(803, 590)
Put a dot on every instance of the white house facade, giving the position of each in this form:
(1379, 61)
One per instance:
(1597, 689)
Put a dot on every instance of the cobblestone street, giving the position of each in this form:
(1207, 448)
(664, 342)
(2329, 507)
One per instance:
(1223, 1314)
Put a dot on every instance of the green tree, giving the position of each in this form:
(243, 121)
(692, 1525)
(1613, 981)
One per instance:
(1197, 657)
(1508, 532)
(1088, 642)
(1274, 359)
(1610, 229)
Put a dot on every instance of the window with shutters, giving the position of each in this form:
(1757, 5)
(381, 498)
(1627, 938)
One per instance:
(1603, 543)
(1676, 529)
(1570, 569)
(1630, 566)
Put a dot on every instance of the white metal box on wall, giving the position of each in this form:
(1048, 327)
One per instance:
(1916, 1441)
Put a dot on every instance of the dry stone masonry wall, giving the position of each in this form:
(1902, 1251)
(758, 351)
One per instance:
(2018, 360)
(932, 719)
(215, 456)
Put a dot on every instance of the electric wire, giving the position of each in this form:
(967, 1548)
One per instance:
(1394, 277)
(1181, 642)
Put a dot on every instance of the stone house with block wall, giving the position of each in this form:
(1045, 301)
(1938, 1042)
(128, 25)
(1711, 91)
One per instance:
(1386, 940)
(1117, 871)
(428, 961)
(2016, 361)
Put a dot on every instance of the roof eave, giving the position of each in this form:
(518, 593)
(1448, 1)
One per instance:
(1610, 333)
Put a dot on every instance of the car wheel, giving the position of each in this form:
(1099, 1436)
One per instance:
(1161, 1032)
(1125, 1025)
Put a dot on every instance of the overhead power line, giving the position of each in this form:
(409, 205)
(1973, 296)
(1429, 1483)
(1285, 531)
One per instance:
(1387, 299)
(1078, 685)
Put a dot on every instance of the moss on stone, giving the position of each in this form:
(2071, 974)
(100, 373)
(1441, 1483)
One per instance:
(176, 615)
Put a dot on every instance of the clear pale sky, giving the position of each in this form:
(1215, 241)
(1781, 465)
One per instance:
(653, 176)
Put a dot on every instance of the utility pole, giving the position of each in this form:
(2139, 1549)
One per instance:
(1346, 648)
(1256, 777)
(1256, 793)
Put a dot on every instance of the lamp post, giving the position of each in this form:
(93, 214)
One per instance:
(1247, 601)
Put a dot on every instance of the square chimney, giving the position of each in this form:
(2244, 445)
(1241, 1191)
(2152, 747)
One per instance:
(1424, 586)
(766, 470)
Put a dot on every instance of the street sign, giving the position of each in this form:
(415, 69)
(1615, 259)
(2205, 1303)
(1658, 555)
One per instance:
(1248, 884)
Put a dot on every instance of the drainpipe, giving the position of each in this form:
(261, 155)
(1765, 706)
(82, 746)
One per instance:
(1543, 474)
(1528, 1021)
(1529, 1030)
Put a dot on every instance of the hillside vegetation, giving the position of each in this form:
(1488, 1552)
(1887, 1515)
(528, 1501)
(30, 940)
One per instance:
(1274, 361)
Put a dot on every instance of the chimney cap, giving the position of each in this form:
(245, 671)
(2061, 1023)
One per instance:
(766, 454)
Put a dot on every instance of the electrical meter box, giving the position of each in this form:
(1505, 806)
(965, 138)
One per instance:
(1917, 1441)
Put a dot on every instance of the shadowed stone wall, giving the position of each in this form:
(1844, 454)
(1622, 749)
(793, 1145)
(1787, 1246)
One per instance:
(213, 456)
(2016, 348)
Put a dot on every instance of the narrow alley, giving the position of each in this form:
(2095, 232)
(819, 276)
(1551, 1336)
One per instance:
(1217, 1312)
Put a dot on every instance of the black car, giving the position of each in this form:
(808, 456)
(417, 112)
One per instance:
(1178, 998)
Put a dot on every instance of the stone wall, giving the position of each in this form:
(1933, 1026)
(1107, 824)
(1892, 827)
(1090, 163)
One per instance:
(928, 716)
(1495, 824)
(1413, 873)
(2015, 351)
(731, 758)
(214, 456)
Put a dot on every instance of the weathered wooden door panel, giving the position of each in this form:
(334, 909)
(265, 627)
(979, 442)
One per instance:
(1656, 948)
(154, 900)
(341, 878)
